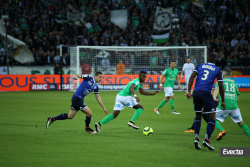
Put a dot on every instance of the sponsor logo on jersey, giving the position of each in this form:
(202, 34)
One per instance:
(87, 91)
(90, 83)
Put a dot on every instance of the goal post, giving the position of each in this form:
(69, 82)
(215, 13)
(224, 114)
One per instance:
(120, 64)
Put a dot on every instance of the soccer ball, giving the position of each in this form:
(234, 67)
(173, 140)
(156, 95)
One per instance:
(148, 131)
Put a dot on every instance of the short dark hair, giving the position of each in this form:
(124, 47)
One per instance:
(212, 58)
(188, 57)
(142, 72)
(172, 60)
(97, 73)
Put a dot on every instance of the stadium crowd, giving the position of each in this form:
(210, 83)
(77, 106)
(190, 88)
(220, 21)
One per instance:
(223, 28)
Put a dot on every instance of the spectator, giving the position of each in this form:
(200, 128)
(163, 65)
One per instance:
(120, 67)
(233, 42)
(44, 59)
(86, 68)
(235, 61)
(105, 63)
(154, 60)
(247, 61)
(66, 60)
(56, 69)
(71, 34)
(228, 61)
(132, 60)
(138, 60)
(127, 61)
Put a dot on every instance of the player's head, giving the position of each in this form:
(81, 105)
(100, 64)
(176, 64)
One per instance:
(188, 60)
(142, 76)
(98, 76)
(172, 64)
(226, 73)
(212, 58)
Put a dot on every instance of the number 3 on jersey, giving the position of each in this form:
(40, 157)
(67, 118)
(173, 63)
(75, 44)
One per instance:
(205, 74)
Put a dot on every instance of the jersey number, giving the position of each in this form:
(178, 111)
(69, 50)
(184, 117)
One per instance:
(205, 74)
(232, 87)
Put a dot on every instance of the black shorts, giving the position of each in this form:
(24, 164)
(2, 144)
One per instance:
(205, 100)
(77, 103)
(216, 104)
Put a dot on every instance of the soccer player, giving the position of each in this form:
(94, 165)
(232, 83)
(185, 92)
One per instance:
(171, 74)
(231, 99)
(124, 98)
(202, 98)
(205, 116)
(88, 85)
(188, 68)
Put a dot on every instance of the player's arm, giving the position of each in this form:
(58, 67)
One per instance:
(132, 90)
(182, 72)
(215, 93)
(161, 86)
(85, 77)
(191, 80)
(237, 92)
(142, 92)
(222, 95)
(221, 89)
(98, 98)
(178, 81)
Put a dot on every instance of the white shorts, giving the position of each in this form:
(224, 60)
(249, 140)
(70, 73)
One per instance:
(122, 101)
(234, 114)
(187, 79)
(168, 91)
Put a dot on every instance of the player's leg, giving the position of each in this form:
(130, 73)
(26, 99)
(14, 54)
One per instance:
(197, 120)
(209, 108)
(119, 106)
(237, 118)
(76, 104)
(136, 115)
(163, 102)
(220, 117)
(88, 113)
(107, 119)
(171, 101)
(191, 129)
(245, 128)
(168, 92)
(186, 81)
(63, 116)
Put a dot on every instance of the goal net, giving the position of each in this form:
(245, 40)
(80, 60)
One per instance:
(122, 64)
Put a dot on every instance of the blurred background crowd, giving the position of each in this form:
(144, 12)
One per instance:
(223, 28)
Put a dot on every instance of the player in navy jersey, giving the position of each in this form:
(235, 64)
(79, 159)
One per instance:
(88, 85)
(202, 98)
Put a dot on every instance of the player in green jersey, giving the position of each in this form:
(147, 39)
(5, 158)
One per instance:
(231, 100)
(124, 99)
(170, 75)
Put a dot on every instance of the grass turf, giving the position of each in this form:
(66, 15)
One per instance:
(26, 142)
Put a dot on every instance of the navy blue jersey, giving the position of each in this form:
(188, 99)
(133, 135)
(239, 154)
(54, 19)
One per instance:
(206, 74)
(88, 85)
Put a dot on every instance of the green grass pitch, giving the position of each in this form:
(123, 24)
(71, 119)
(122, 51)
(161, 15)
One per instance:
(26, 142)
